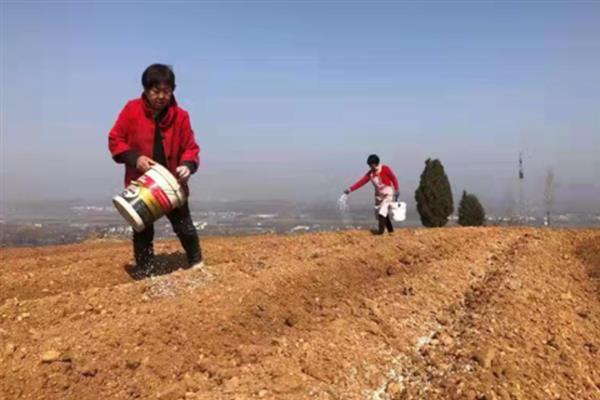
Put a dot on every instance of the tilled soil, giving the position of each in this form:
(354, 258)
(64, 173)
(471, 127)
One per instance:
(453, 313)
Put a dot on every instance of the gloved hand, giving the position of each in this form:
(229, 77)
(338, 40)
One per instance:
(396, 196)
(347, 191)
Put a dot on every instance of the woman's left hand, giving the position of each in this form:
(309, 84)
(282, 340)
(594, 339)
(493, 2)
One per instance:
(183, 173)
(396, 196)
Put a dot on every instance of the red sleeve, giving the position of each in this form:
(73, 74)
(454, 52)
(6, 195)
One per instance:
(360, 183)
(118, 135)
(191, 150)
(392, 178)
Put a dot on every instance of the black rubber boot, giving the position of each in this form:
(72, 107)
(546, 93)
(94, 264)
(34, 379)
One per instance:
(181, 219)
(388, 224)
(143, 249)
(382, 224)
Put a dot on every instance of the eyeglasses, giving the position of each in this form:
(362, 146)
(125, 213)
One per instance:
(155, 92)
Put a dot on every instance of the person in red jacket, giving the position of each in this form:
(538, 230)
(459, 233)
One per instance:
(386, 191)
(154, 129)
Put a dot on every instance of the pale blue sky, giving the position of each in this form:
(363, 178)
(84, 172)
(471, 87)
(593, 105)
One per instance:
(288, 98)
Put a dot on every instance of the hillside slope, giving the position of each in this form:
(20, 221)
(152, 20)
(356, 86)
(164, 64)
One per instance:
(456, 313)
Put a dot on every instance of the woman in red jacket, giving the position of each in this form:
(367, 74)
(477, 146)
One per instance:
(153, 129)
(386, 191)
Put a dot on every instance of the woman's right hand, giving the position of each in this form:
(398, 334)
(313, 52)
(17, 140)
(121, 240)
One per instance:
(144, 163)
(347, 191)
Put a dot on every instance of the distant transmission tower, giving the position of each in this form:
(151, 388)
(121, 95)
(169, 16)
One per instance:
(521, 217)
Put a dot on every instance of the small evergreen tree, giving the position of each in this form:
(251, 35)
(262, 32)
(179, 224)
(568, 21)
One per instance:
(434, 195)
(470, 211)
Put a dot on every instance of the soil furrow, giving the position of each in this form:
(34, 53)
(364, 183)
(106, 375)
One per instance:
(448, 313)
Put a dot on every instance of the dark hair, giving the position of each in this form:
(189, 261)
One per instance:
(157, 74)
(373, 159)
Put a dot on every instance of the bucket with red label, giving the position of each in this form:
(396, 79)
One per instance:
(148, 198)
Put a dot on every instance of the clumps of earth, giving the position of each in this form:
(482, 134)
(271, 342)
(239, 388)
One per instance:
(454, 313)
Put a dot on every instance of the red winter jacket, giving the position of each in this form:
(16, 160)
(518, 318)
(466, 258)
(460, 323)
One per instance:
(386, 175)
(134, 133)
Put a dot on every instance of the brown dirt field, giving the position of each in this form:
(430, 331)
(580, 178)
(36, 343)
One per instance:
(453, 313)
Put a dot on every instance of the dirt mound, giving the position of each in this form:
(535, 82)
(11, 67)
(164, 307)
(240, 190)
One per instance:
(463, 313)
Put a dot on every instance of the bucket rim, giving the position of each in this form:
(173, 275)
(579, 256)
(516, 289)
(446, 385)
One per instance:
(127, 212)
(171, 181)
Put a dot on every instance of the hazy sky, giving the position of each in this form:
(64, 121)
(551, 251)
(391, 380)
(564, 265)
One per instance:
(288, 98)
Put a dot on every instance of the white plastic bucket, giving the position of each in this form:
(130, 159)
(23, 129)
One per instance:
(148, 198)
(398, 210)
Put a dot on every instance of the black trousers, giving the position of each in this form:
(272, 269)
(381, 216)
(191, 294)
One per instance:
(184, 228)
(385, 222)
